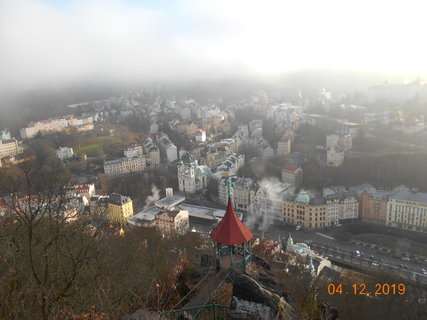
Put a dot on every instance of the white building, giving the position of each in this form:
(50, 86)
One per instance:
(133, 151)
(57, 124)
(241, 192)
(168, 148)
(292, 175)
(407, 209)
(232, 163)
(335, 156)
(124, 165)
(201, 135)
(9, 147)
(64, 153)
(154, 128)
(284, 146)
(331, 140)
(341, 205)
(255, 128)
(192, 177)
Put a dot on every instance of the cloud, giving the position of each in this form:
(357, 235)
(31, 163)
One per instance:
(130, 41)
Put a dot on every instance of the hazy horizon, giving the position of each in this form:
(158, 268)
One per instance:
(59, 43)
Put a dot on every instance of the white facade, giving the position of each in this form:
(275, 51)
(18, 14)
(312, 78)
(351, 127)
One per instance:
(57, 124)
(192, 177)
(169, 148)
(331, 140)
(64, 153)
(154, 128)
(201, 135)
(124, 165)
(133, 151)
(335, 157)
(341, 205)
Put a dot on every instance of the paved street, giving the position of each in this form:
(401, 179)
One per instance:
(346, 251)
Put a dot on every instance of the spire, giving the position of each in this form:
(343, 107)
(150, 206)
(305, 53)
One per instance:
(229, 190)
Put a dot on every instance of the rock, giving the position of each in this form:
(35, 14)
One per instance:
(246, 290)
(327, 312)
(144, 315)
(261, 262)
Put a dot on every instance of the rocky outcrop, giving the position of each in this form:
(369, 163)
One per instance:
(327, 312)
(252, 301)
(144, 315)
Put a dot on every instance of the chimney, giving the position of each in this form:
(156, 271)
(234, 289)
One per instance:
(169, 193)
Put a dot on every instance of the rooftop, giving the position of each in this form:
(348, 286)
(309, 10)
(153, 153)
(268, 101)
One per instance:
(169, 202)
(290, 168)
(118, 199)
(231, 230)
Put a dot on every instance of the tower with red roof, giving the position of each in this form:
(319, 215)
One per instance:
(231, 233)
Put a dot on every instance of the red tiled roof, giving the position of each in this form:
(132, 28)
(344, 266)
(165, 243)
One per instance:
(231, 230)
(290, 168)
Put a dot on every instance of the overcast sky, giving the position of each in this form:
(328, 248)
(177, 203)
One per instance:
(54, 41)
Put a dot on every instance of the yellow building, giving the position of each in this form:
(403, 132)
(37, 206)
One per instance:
(306, 212)
(120, 208)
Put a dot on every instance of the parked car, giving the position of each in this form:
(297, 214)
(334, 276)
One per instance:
(406, 259)
(424, 271)
(357, 252)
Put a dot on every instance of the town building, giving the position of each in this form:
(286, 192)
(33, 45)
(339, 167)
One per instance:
(200, 135)
(335, 156)
(231, 164)
(267, 198)
(57, 124)
(133, 150)
(64, 153)
(168, 148)
(342, 205)
(372, 203)
(85, 190)
(9, 147)
(265, 150)
(154, 128)
(124, 165)
(255, 128)
(284, 146)
(241, 192)
(407, 209)
(309, 211)
(292, 175)
(151, 150)
(5, 135)
(120, 208)
(168, 222)
(192, 177)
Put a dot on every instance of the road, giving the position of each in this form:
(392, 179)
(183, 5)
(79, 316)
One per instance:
(346, 251)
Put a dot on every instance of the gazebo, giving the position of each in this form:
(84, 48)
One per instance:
(231, 236)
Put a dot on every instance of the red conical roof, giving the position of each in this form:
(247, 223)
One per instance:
(231, 230)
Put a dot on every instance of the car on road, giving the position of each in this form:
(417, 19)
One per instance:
(424, 271)
(375, 264)
(403, 266)
(358, 254)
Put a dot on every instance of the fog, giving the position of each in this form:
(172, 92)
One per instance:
(54, 43)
